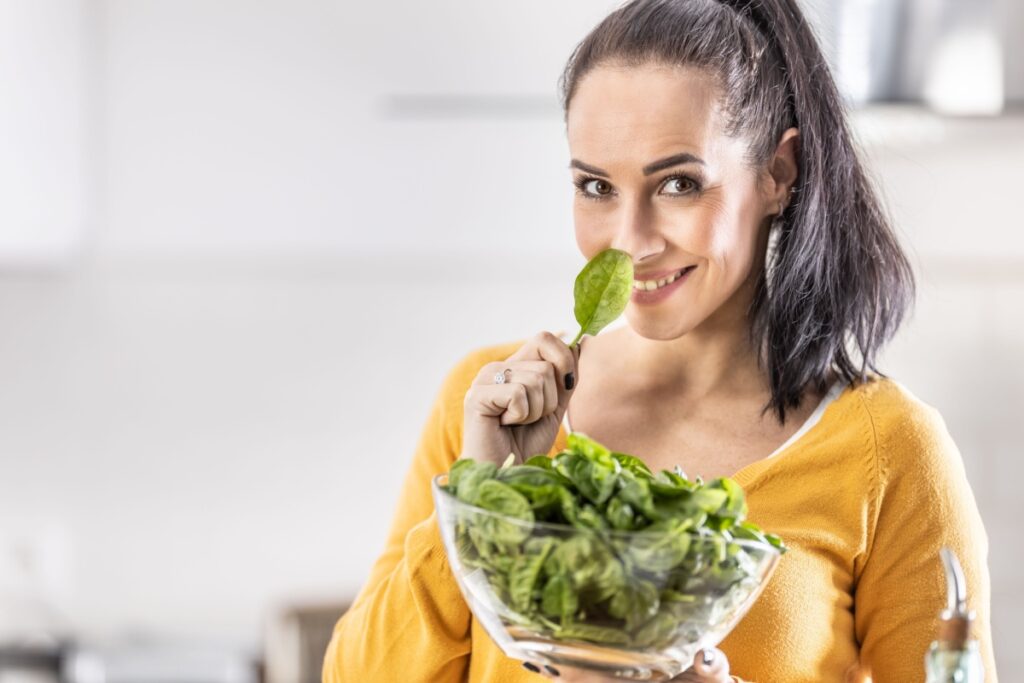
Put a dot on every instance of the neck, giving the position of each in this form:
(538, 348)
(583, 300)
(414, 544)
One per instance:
(705, 362)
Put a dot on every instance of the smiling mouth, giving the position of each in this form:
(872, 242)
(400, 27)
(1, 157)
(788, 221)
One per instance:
(651, 285)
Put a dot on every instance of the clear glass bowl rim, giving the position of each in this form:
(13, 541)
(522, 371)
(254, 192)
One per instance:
(747, 543)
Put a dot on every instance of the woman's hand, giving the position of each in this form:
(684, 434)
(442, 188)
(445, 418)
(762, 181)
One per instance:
(521, 415)
(709, 666)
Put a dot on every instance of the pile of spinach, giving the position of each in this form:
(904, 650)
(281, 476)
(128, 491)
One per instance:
(642, 557)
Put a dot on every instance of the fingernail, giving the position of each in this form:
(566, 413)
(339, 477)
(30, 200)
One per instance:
(552, 670)
(709, 657)
(570, 381)
(530, 666)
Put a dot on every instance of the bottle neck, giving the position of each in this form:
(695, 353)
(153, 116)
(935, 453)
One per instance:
(954, 631)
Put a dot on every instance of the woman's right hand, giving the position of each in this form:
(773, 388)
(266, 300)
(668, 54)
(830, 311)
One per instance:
(522, 415)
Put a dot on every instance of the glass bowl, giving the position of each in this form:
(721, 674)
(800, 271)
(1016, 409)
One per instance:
(636, 605)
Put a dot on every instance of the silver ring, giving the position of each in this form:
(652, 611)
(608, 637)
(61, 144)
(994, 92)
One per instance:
(500, 378)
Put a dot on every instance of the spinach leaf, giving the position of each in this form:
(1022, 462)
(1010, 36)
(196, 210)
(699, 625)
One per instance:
(633, 464)
(621, 515)
(592, 633)
(602, 291)
(497, 497)
(532, 475)
(525, 573)
(635, 603)
(559, 598)
(662, 546)
(468, 477)
(541, 461)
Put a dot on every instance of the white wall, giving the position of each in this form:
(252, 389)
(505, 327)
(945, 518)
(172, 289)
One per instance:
(47, 117)
(213, 442)
(212, 414)
(161, 443)
(302, 122)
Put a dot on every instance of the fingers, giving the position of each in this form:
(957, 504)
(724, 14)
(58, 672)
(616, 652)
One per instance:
(528, 393)
(545, 670)
(543, 375)
(710, 665)
(512, 402)
(508, 401)
(548, 347)
(533, 385)
(536, 381)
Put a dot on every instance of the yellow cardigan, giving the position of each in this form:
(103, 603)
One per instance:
(864, 499)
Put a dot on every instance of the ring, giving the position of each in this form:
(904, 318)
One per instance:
(500, 377)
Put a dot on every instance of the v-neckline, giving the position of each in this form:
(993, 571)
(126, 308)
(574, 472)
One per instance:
(751, 471)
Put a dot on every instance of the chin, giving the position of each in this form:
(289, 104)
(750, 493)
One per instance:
(664, 327)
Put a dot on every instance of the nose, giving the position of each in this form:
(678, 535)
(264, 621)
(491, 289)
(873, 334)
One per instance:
(637, 233)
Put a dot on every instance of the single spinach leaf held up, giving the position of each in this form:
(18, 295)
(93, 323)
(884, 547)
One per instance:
(602, 291)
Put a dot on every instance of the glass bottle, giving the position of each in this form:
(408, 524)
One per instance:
(954, 657)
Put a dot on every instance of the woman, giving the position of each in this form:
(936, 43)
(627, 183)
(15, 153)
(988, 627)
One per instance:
(709, 142)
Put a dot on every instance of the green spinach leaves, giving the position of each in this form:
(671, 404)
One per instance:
(591, 545)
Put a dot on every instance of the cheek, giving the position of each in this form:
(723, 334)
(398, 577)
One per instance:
(729, 239)
(711, 232)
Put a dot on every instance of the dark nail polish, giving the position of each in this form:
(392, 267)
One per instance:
(552, 670)
(709, 657)
(570, 381)
(530, 666)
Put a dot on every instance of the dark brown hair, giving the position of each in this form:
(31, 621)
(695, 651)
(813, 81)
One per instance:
(836, 283)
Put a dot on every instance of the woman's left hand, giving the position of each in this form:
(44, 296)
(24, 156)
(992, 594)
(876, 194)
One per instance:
(709, 666)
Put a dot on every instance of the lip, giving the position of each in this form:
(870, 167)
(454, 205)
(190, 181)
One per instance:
(658, 274)
(642, 296)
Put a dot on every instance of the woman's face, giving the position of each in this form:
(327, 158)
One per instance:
(657, 178)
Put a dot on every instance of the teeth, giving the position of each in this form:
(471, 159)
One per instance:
(650, 285)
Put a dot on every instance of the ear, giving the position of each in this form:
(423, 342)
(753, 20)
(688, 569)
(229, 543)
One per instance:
(782, 172)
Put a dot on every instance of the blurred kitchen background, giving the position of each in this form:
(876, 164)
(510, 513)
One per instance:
(231, 236)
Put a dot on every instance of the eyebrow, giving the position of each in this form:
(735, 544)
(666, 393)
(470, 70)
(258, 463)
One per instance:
(654, 167)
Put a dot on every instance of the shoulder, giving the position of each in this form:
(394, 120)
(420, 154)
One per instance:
(910, 436)
(897, 415)
(887, 413)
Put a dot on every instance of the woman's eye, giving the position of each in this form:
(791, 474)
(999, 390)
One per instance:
(679, 185)
(597, 187)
